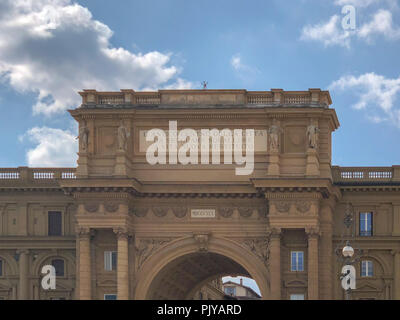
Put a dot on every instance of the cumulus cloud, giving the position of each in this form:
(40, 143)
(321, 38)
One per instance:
(54, 147)
(381, 23)
(356, 3)
(329, 33)
(244, 71)
(376, 94)
(332, 33)
(364, 3)
(55, 48)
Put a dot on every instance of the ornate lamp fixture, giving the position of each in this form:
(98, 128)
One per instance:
(347, 255)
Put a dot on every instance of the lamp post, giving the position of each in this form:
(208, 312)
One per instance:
(346, 254)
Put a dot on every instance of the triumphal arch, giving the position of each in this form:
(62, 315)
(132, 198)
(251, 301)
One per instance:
(135, 224)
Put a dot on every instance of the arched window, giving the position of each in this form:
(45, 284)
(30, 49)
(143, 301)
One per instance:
(367, 268)
(58, 264)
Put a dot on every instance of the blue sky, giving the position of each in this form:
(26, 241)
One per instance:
(49, 49)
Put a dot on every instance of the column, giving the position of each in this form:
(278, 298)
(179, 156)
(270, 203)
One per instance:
(84, 264)
(122, 265)
(396, 275)
(275, 264)
(23, 293)
(313, 264)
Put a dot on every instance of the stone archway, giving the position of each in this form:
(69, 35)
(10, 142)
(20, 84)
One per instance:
(217, 257)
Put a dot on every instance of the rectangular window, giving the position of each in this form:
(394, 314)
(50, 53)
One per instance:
(110, 260)
(58, 264)
(54, 223)
(1, 268)
(297, 297)
(110, 297)
(297, 261)
(230, 291)
(367, 268)
(366, 224)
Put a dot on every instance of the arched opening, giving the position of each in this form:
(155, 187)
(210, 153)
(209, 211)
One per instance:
(179, 270)
(183, 277)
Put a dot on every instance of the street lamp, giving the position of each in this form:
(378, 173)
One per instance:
(346, 254)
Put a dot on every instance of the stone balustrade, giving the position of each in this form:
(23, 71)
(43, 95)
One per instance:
(26, 175)
(207, 97)
(365, 174)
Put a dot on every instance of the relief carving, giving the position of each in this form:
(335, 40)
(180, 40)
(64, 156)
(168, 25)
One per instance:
(225, 212)
(202, 241)
(160, 211)
(303, 206)
(179, 212)
(146, 247)
(139, 212)
(282, 206)
(111, 206)
(260, 247)
(91, 207)
(245, 212)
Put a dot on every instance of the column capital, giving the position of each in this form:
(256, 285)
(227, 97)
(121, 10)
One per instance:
(121, 233)
(274, 233)
(22, 251)
(313, 232)
(83, 232)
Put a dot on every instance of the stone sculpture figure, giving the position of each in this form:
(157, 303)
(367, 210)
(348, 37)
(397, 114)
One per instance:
(274, 132)
(123, 135)
(312, 136)
(83, 136)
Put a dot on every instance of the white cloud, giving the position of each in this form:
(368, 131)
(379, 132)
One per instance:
(329, 33)
(54, 147)
(244, 71)
(381, 23)
(357, 3)
(332, 32)
(55, 48)
(376, 94)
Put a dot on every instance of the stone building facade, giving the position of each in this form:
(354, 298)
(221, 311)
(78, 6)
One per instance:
(117, 226)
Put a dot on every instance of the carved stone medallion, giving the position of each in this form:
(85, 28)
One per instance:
(179, 212)
(303, 206)
(139, 212)
(225, 212)
(91, 207)
(160, 211)
(111, 206)
(282, 206)
(245, 212)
